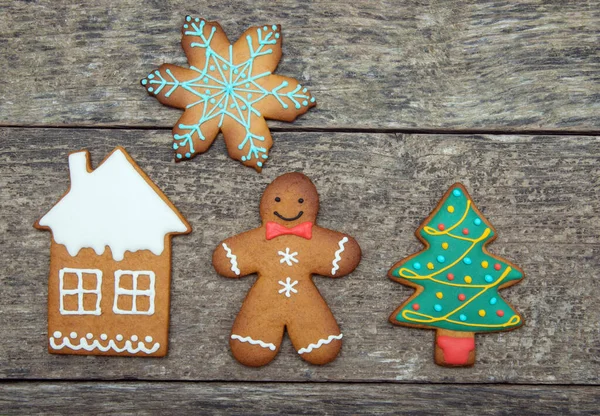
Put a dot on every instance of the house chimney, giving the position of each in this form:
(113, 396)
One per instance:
(78, 163)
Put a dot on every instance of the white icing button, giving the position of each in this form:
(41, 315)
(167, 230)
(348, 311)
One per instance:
(134, 338)
(89, 336)
(73, 335)
(119, 337)
(103, 337)
(57, 334)
(148, 338)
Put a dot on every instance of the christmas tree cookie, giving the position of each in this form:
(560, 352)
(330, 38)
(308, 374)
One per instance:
(456, 280)
(229, 88)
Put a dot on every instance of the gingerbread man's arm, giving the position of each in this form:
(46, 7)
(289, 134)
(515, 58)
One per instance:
(336, 254)
(235, 256)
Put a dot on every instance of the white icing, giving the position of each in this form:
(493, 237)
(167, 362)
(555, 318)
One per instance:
(112, 206)
(232, 259)
(88, 336)
(249, 340)
(134, 292)
(319, 344)
(288, 286)
(79, 291)
(337, 258)
(56, 344)
(288, 257)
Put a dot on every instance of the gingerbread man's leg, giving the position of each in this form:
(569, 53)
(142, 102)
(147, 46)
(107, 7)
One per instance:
(257, 332)
(313, 329)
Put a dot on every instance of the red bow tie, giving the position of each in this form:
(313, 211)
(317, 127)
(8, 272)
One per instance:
(303, 230)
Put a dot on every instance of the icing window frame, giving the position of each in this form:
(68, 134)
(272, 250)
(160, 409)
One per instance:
(134, 292)
(79, 291)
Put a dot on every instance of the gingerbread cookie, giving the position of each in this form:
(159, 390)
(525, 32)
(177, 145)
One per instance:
(110, 260)
(457, 280)
(285, 251)
(228, 88)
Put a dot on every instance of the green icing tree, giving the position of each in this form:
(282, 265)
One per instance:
(456, 280)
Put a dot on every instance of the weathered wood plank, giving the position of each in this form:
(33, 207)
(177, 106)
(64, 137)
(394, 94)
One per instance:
(295, 398)
(541, 193)
(412, 64)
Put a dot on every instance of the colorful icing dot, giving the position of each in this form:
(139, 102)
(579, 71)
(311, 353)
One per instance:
(249, 95)
(462, 317)
(188, 155)
(450, 209)
(467, 260)
(497, 266)
(465, 231)
(150, 76)
(461, 297)
(416, 306)
(417, 266)
(259, 164)
(445, 246)
(450, 276)
(493, 301)
(265, 28)
(144, 81)
(430, 266)
(150, 89)
(441, 259)
(489, 278)
(477, 221)
(439, 295)
(457, 192)
(312, 99)
(500, 313)
(484, 264)
(468, 279)
(481, 313)
(175, 146)
(277, 35)
(441, 227)
(179, 156)
(212, 67)
(437, 307)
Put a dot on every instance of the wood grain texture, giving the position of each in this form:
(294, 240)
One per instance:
(429, 65)
(295, 398)
(541, 194)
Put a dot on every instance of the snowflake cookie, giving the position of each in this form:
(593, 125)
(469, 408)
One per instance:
(229, 88)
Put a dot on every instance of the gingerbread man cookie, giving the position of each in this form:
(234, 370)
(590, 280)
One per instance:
(228, 88)
(285, 251)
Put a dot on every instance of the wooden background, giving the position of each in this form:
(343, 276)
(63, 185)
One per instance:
(413, 96)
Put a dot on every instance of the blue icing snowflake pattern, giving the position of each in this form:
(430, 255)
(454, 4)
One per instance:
(226, 90)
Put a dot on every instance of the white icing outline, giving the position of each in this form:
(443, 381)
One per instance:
(83, 344)
(232, 259)
(337, 258)
(80, 291)
(249, 340)
(288, 257)
(288, 286)
(319, 344)
(134, 292)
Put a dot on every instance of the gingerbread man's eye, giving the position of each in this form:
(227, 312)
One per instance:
(277, 199)
(301, 200)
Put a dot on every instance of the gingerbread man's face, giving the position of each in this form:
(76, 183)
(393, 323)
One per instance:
(289, 200)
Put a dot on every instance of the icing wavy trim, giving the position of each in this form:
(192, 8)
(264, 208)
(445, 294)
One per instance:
(249, 340)
(319, 344)
(337, 255)
(83, 344)
(232, 259)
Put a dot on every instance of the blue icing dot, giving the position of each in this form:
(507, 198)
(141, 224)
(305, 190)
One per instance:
(150, 76)
(178, 156)
(196, 19)
(441, 259)
(276, 35)
(150, 89)
(274, 27)
(417, 265)
(157, 72)
(437, 307)
(212, 101)
(208, 91)
(144, 81)
(243, 158)
(247, 85)
(489, 278)
(265, 28)
(259, 164)
(493, 301)
(304, 102)
(206, 80)
(232, 106)
(235, 71)
(188, 155)
(185, 26)
(224, 66)
(312, 99)
(212, 68)
(297, 105)
(264, 156)
(463, 317)
(467, 260)
(175, 146)
(220, 105)
(188, 18)
(249, 95)
(457, 192)
(243, 75)
(304, 90)
(243, 107)
(477, 221)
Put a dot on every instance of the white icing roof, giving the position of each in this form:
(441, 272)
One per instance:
(113, 206)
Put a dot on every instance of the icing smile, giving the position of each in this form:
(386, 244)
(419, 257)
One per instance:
(289, 219)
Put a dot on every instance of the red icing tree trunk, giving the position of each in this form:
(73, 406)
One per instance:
(454, 349)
